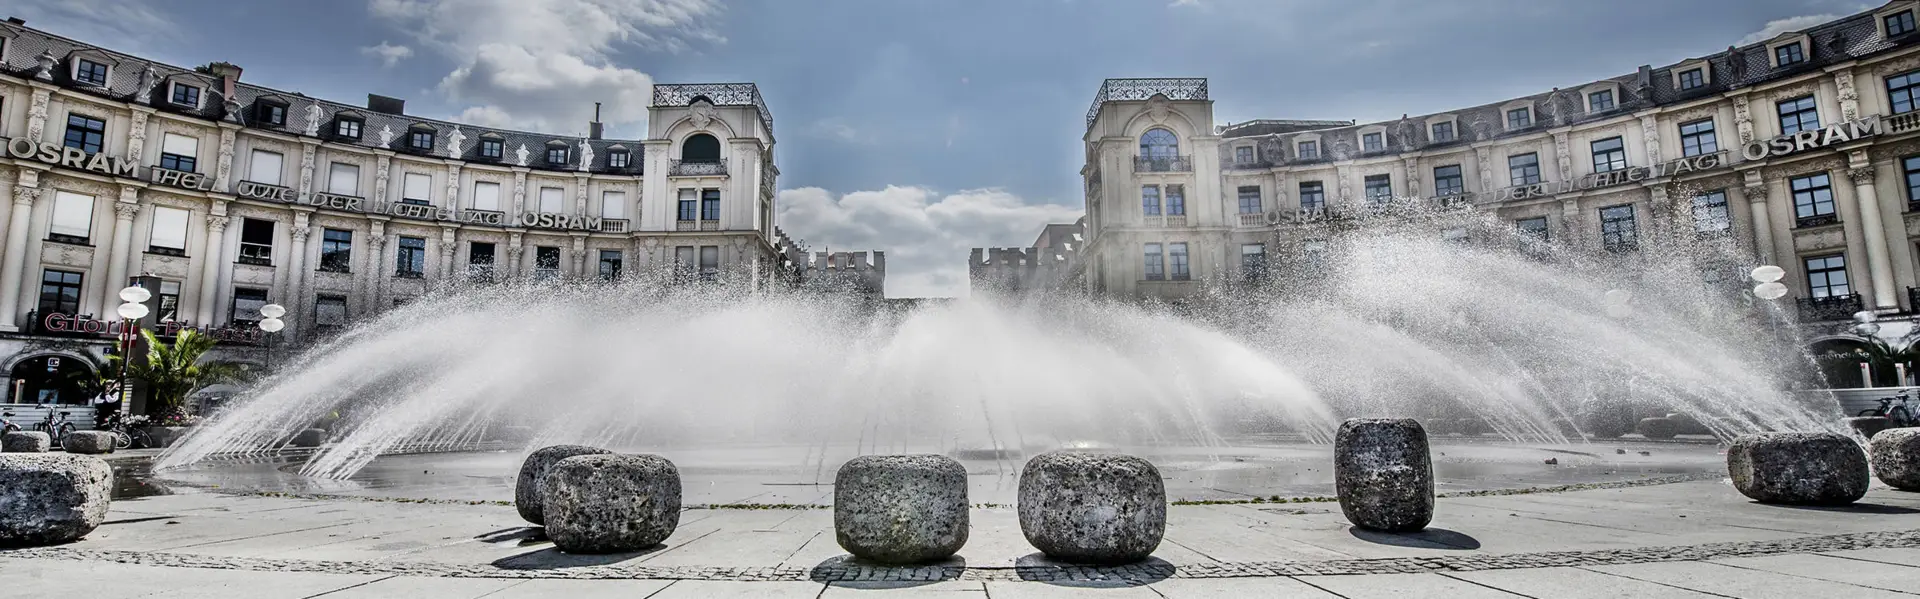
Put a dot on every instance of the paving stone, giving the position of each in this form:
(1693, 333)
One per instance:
(413, 587)
(708, 589)
(581, 589)
(1404, 586)
(1904, 557)
(1722, 580)
(1031, 590)
(1574, 583)
(1222, 588)
(1837, 569)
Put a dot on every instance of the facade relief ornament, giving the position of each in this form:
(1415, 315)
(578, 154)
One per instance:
(306, 169)
(1157, 108)
(1743, 118)
(224, 166)
(1650, 131)
(126, 211)
(700, 115)
(37, 114)
(300, 234)
(137, 134)
(25, 196)
(1484, 158)
(1861, 175)
(1849, 97)
(1564, 156)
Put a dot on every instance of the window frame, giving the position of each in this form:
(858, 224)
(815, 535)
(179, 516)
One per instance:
(257, 253)
(1619, 233)
(492, 149)
(179, 162)
(1715, 200)
(1459, 179)
(154, 225)
(1593, 106)
(1684, 83)
(1788, 54)
(1175, 195)
(174, 89)
(1245, 192)
(618, 262)
(1887, 26)
(1307, 149)
(564, 154)
(1826, 269)
(341, 124)
(1693, 144)
(1373, 141)
(710, 205)
(61, 296)
(93, 133)
(1524, 122)
(105, 72)
(619, 159)
(63, 199)
(1909, 86)
(336, 251)
(1523, 174)
(1800, 112)
(416, 134)
(1318, 192)
(1810, 197)
(410, 251)
(1615, 157)
(1154, 262)
(1179, 267)
(1150, 200)
(1368, 188)
(1433, 132)
(688, 205)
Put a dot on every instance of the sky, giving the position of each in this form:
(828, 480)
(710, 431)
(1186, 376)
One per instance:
(921, 127)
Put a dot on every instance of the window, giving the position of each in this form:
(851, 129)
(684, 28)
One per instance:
(709, 204)
(1176, 200)
(420, 139)
(1159, 143)
(1253, 261)
(418, 189)
(264, 167)
(689, 205)
(1901, 89)
(1243, 155)
(619, 159)
(1617, 230)
(1524, 169)
(1250, 199)
(1798, 114)
(1373, 142)
(1812, 200)
(1177, 262)
(1600, 101)
(90, 72)
(1827, 276)
(60, 292)
(486, 195)
(1313, 195)
(1309, 150)
(1379, 189)
(609, 265)
(700, 148)
(480, 261)
(72, 218)
(1532, 228)
(1443, 132)
(256, 242)
(1911, 167)
(169, 302)
(179, 152)
(329, 313)
(1150, 200)
(411, 262)
(1519, 118)
(343, 179)
(613, 204)
(246, 304)
(683, 261)
(1710, 215)
(1693, 78)
(556, 154)
(709, 262)
(552, 199)
(336, 250)
(347, 127)
(1156, 267)
(1789, 54)
(1899, 23)
(1696, 138)
(270, 113)
(169, 233)
(85, 133)
(490, 148)
(186, 95)
(1609, 155)
(1448, 181)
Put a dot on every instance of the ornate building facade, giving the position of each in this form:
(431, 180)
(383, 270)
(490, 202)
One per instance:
(221, 196)
(1801, 151)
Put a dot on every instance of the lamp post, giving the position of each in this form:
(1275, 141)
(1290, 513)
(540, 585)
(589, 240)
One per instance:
(270, 325)
(130, 313)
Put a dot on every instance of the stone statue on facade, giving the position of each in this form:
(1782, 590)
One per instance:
(46, 61)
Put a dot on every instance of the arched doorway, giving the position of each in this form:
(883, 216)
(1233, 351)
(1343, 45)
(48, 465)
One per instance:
(52, 379)
(1838, 361)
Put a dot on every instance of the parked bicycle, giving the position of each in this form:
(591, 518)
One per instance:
(56, 425)
(126, 434)
(1898, 415)
(6, 423)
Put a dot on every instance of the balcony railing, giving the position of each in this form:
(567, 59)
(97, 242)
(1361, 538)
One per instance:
(257, 254)
(1833, 307)
(709, 225)
(682, 168)
(1255, 219)
(1819, 220)
(1176, 220)
(1252, 165)
(686, 225)
(1162, 164)
(1904, 122)
(613, 225)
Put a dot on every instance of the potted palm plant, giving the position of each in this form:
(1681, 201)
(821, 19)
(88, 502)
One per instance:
(172, 372)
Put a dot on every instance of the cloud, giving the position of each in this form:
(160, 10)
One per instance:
(541, 64)
(126, 25)
(1778, 26)
(926, 235)
(388, 54)
(838, 129)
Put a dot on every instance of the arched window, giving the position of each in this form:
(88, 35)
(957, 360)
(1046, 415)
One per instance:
(53, 379)
(1159, 143)
(700, 148)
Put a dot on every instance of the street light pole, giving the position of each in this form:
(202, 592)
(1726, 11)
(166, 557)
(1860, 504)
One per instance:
(270, 325)
(130, 313)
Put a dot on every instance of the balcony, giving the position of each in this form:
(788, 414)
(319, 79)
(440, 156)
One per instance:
(686, 225)
(1162, 164)
(1253, 220)
(614, 225)
(1833, 307)
(682, 168)
(1176, 220)
(709, 225)
(1904, 122)
(256, 254)
(1818, 220)
(1252, 165)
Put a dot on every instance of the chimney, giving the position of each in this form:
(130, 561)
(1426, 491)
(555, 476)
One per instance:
(229, 75)
(386, 105)
(17, 21)
(593, 128)
(1645, 77)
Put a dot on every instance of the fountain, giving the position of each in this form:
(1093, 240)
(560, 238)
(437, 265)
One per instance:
(780, 388)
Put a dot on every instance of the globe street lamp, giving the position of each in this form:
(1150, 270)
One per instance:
(272, 324)
(130, 313)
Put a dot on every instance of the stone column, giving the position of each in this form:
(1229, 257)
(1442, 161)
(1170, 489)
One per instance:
(37, 112)
(519, 195)
(448, 245)
(13, 265)
(210, 262)
(1879, 261)
(377, 274)
(1755, 198)
(221, 311)
(307, 148)
(223, 164)
(1570, 224)
(297, 264)
(580, 256)
(516, 245)
(137, 133)
(124, 211)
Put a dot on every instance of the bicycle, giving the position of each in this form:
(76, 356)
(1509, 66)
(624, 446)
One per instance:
(1897, 415)
(58, 428)
(126, 435)
(6, 423)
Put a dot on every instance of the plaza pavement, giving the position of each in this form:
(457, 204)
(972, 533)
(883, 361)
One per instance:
(1689, 539)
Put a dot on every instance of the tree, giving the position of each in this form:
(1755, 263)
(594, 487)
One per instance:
(173, 371)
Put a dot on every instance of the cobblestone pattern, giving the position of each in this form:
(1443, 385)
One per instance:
(1150, 571)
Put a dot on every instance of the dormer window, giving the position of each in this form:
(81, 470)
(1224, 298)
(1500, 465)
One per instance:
(1308, 150)
(420, 138)
(347, 127)
(1900, 23)
(490, 148)
(1693, 78)
(556, 153)
(1600, 101)
(1243, 155)
(1519, 118)
(270, 112)
(1788, 54)
(1442, 132)
(1373, 142)
(186, 95)
(619, 159)
(90, 72)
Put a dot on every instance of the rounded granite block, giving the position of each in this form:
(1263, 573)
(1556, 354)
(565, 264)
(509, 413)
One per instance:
(1896, 457)
(1092, 507)
(1799, 468)
(901, 509)
(611, 503)
(1383, 473)
(533, 471)
(51, 498)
